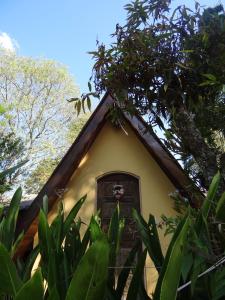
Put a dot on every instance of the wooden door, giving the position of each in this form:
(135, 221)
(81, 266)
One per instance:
(107, 199)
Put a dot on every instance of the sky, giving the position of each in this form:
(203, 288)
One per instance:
(64, 30)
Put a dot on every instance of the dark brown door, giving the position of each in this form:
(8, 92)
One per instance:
(122, 188)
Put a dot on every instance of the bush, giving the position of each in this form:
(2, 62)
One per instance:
(75, 267)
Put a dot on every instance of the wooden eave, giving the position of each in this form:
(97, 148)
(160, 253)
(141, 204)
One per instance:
(61, 175)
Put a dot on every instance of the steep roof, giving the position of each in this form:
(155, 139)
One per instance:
(61, 175)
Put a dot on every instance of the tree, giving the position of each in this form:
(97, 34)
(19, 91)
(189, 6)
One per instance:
(76, 126)
(171, 68)
(11, 149)
(45, 167)
(33, 92)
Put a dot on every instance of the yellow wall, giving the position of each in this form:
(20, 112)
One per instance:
(115, 151)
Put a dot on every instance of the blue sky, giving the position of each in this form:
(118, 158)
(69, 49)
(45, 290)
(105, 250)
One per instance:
(65, 30)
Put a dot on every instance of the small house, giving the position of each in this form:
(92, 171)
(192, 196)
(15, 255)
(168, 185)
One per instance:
(126, 163)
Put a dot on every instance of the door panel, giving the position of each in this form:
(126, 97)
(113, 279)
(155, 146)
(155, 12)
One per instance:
(106, 203)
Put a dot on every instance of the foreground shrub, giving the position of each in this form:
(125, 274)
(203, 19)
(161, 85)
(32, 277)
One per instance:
(75, 266)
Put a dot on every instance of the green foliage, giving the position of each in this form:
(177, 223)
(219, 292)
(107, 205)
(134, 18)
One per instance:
(149, 236)
(41, 173)
(136, 288)
(169, 67)
(8, 222)
(170, 274)
(82, 266)
(76, 127)
(10, 282)
(89, 279)
(33, 106)
(11, 149)
(32, 289)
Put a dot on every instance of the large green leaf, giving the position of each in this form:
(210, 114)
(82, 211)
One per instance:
(44, 235)
(73, 246)
(32, 289)
(115, 230)
(208, 202)
(124, 274)
(116, 227)
(95, 229)
(11, 219)
(16, 243)
(53, 295)
(89, 280)
(56, 228)
(217, 284)
(28, 265)
(1, 210)
(137, 279)
(71, 216)
(10, 282)
(169, 277)
(150, 238)
(220, 209)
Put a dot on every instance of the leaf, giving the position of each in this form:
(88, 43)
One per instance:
(211, 77)
(1, 210)
(44, 235)
(10, 282)
(78, 107)
(56, 228)
(72, 215)
(32, 289)
(53, 271)
(73, 99)
(73, 249)
(150, 238)
(220, 209)
(45, 205)
(210, 195)
(122, 279)
(11, 219)
(29, 263)
(89, 103)
(83, 106)
(16, 243)
(218, 285)
(137, 278)
(115, 229)
(89, 279)
(206, 83)
(53, 295)
(186, 51)
(165, 87)
(186, 265)
(89, 86)
(169, 277)
(95, 230)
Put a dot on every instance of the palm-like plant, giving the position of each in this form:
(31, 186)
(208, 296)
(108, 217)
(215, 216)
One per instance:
(83, 267)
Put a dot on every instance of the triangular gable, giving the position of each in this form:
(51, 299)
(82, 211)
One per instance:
(70, 162)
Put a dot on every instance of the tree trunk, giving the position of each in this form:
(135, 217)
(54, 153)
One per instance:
(205, 156)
